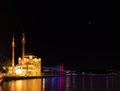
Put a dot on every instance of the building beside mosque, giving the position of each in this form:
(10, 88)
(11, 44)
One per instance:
(28, 65)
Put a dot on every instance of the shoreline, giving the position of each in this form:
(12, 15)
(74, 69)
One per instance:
(8, 78)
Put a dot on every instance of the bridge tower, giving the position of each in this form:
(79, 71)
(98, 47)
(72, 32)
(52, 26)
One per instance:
(61, 69)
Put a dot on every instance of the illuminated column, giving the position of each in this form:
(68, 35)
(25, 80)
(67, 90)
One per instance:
(23, 46)
(13, 50)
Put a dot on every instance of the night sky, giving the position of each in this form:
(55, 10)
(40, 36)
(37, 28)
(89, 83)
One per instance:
(79, 35)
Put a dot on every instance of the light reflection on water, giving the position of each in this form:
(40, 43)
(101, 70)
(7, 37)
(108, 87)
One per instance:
(23, 85)
(66, 83)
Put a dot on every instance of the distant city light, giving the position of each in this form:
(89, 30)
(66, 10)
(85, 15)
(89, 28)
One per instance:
(89, 22)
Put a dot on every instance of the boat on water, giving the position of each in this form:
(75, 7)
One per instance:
(1, 78)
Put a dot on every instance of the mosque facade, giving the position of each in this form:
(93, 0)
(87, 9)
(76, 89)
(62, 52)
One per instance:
(28, 65)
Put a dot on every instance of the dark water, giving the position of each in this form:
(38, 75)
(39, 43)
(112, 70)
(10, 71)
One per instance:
(66, 83)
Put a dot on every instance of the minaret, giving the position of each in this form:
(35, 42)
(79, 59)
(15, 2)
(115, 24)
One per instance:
(13, 50)
(23, 46)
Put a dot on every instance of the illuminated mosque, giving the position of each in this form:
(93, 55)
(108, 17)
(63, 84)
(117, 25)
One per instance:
(28, 65)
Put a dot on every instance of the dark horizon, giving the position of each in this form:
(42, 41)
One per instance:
(79, 36)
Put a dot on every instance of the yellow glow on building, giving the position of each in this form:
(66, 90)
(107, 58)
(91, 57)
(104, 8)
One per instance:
(18, 71)
(30, 57)
(28, 65)
(19, 58)
(31, 66)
